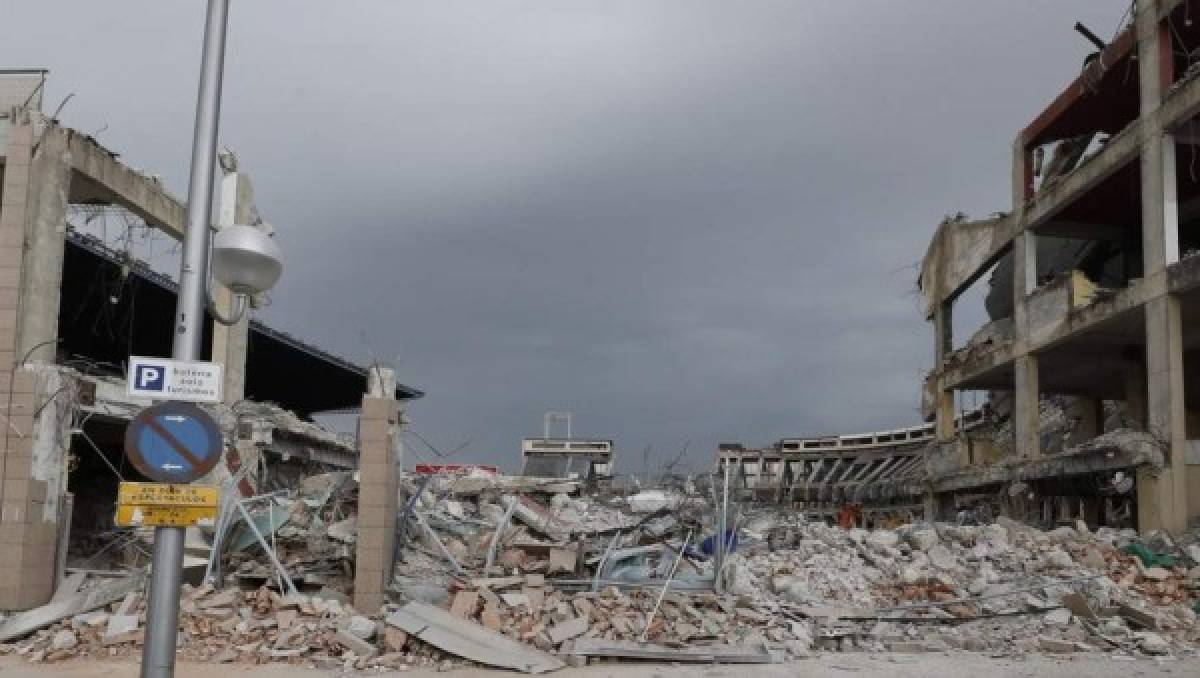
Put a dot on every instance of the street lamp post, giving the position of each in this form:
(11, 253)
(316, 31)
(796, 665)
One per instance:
(248, 262)
(162, 611)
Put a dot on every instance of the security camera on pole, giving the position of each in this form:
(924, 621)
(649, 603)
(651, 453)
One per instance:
(175, 441)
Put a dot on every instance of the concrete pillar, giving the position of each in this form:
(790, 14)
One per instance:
(1026, 408)
(1026, 384)
(943, 325)
(929, 506)
(32, 206)
(230, 343)
(1162, 498)
(378, 485)
(1162, 501)
(45, 242)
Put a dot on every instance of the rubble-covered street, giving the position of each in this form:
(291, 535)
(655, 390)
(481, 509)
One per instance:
(579, 577)
(859, 666)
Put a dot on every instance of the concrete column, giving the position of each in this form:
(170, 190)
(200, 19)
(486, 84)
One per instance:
(32, 207)
(1026, 384)
(1022, 176)
(230, 344)
(378, 485)
(943, 326)
(1026, 408)
(45, 242)
(929, 507)
(1162, 501)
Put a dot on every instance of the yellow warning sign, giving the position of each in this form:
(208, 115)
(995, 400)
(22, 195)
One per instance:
(167, 494)
(166, 516)
(166, 505)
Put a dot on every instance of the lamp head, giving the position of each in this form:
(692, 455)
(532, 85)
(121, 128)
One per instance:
(246, 260)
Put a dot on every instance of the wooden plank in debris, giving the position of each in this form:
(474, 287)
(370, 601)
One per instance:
(1143, 620)
(1078, 605)
(469, 640)
(727, 654)
(24, 623)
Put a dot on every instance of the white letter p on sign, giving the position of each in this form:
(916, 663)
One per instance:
(148, 376)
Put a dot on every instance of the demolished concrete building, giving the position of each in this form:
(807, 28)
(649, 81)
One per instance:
(73, 309)
(1088, 361)
(1094, 298)
(820, 475)
(588, 459)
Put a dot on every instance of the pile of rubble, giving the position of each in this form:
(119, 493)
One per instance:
(312, 530)
(524, 573)
(1003, 588)
(237, 626)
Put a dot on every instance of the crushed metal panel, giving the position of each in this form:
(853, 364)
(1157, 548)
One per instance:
(267, 521)
(24, 623)
(721, 654)
(469, 640)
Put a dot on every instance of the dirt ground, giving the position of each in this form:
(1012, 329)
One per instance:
(840, 666)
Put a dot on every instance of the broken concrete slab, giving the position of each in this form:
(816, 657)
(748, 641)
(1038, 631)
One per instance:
(122, 628)
(572, 628)
(23, 623)
(1057, 617)
(69, 586)
(360, 627)
(358, 646)
(515, 599)
(469, 640)
(561, 561)
(538, 517)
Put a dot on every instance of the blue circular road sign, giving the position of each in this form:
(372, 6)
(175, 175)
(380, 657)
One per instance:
(173, 442)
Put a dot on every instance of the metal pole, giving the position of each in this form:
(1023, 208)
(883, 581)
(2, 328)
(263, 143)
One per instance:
(441, 546)
(666, 585)
(162, 612)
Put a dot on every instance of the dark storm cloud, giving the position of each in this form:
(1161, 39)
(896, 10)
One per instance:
(684, 221)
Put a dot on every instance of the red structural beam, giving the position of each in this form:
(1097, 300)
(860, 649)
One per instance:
(1116, 51)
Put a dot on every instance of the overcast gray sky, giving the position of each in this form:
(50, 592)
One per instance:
(684, 221)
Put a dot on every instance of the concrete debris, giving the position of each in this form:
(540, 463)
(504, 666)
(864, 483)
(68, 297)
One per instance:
(579, 576)
(236, 626)
(440, 629)
(23, 623)
(313, 530)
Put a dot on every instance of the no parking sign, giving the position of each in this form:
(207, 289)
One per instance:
(173, 442)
